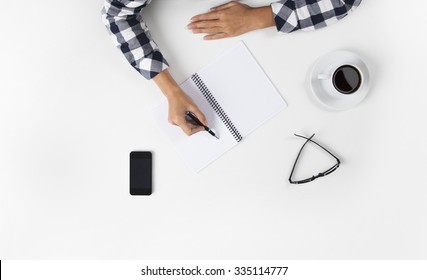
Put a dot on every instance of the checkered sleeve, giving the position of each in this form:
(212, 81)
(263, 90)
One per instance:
(131, 35)
(293, 15)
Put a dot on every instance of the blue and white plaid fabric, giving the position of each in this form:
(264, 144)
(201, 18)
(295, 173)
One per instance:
(293, 15)
(130, 34)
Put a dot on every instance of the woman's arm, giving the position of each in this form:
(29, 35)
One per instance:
(130, 34)
(235, 18)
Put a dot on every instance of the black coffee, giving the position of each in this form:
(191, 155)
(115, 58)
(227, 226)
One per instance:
(347, 79)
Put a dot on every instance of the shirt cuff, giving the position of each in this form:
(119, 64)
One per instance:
(285, 16)
(151, 65)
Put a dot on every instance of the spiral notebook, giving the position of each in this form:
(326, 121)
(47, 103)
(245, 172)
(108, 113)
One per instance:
(235, 96)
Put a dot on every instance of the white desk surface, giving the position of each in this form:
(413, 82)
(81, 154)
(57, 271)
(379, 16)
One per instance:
(72, 109)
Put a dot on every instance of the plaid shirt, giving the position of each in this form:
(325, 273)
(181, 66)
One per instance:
(129, 32)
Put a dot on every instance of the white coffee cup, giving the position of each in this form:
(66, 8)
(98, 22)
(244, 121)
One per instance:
(344, 80)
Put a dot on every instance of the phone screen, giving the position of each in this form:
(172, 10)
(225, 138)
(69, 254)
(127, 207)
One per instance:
(140, 173)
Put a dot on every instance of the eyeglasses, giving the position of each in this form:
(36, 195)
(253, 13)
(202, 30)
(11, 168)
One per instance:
(312, 178)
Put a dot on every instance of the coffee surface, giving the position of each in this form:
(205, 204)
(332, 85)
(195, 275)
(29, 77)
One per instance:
(347, 79)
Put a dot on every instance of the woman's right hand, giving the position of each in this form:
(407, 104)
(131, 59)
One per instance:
(179, 103)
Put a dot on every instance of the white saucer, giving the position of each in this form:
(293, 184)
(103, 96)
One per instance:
(328, 63)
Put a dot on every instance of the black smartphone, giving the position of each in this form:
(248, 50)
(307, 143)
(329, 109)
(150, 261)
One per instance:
(141, 173)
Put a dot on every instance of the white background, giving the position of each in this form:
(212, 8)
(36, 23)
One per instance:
(72, 109)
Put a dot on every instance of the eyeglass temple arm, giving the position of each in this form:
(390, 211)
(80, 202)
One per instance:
(309, 139)
(299, 153)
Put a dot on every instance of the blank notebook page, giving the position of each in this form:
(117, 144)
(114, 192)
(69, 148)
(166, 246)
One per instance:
(242, 92)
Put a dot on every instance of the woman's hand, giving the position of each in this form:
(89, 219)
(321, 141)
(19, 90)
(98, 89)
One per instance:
(179, 104)
(231, 19)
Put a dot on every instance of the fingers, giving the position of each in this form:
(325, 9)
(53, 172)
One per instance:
(227, 20)
(179, 103)
(199, 115)
(210, 30)
(196, 129)
(189, 128)
(202, 17)
(206, 27)
(216, 36)
(203, 24)
(210, 27)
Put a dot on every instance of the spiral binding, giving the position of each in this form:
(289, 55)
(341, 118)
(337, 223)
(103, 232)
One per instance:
(217, 108)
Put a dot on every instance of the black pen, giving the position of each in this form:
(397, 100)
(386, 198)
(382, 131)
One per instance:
(193, 117)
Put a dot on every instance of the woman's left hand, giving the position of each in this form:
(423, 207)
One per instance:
(229, 20)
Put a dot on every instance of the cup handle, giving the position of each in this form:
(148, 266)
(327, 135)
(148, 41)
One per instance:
(322, 77)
